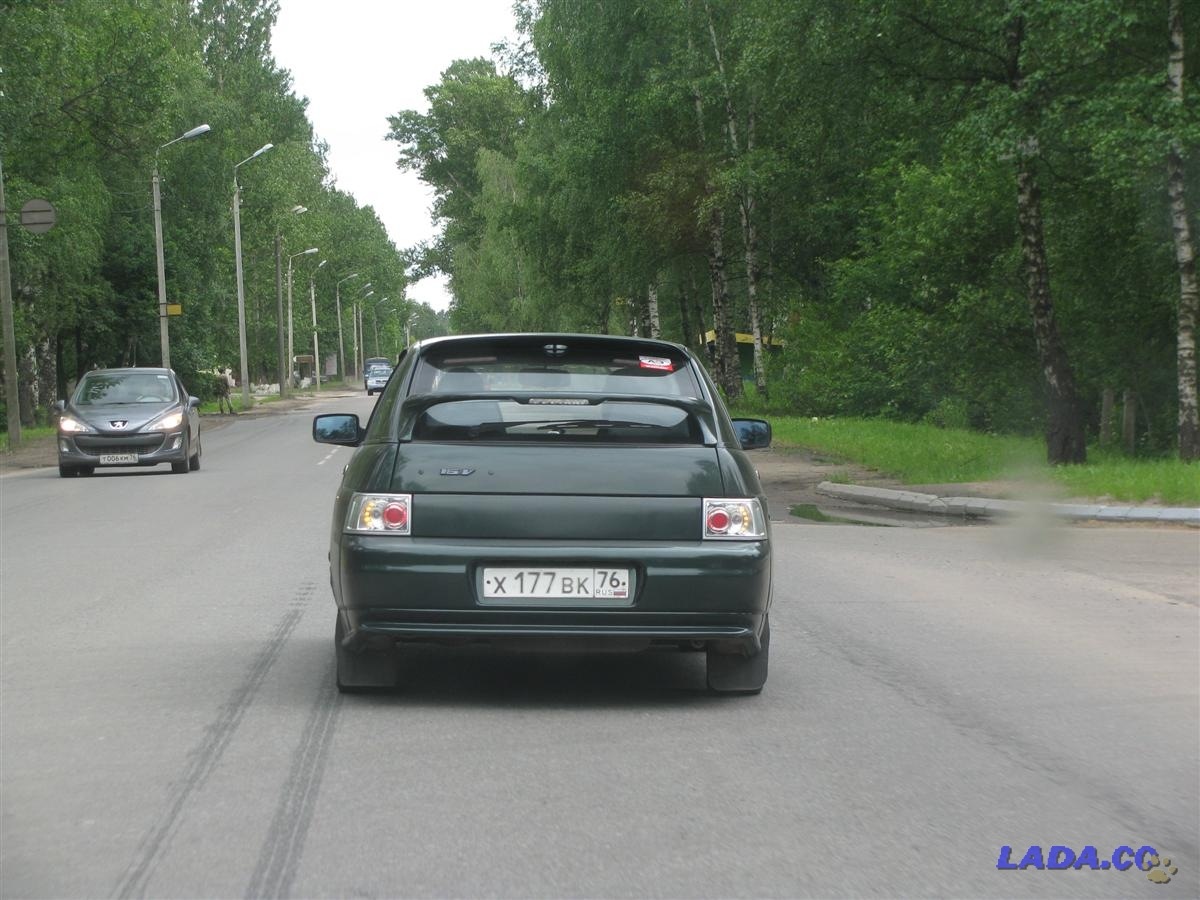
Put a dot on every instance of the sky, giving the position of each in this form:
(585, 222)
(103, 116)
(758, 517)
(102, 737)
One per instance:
(360, 61)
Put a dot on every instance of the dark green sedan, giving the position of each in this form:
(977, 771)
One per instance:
(560, 488)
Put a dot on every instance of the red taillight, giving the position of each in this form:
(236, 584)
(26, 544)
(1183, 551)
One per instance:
(718, 520)
(395, 515)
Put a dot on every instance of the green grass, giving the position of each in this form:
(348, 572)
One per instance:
(919, 454)
(1108, 474)
(27, 434)
(926, 454)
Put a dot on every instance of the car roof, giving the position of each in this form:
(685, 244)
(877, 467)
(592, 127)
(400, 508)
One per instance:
(616, 339)
(142, 370)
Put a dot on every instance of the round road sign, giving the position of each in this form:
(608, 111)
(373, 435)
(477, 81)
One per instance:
(37, 216)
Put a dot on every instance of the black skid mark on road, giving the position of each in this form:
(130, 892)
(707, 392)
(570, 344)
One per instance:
(204, 758)
(284, 843)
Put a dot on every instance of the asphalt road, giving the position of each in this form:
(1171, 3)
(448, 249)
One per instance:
(169, 726)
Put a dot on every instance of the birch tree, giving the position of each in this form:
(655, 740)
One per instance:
(1185, 253)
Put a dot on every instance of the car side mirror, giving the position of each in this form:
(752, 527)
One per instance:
(337, 428)
(193, 402)
(60, 405)
(753, 434)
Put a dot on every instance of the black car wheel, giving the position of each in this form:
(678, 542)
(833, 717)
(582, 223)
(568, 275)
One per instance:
(194, 462)
(181, 468)
(733, 673)
(67, 471)
(363, 668)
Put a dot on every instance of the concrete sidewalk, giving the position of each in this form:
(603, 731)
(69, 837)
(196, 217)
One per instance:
(978, 507)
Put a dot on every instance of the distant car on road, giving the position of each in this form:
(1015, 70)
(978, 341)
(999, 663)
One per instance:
(128, 417)
(370, 362)
(377, 378)
(579, 489)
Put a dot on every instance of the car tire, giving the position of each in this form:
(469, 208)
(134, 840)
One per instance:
(362, 669)
(181, 468)
(369, 393)
(67, 471)
(735, 673)
(194, 462)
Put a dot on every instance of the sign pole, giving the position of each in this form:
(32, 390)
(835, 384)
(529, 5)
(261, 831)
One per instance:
(12, 397)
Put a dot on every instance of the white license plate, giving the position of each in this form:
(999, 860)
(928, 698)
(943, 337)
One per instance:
(117, 459)
(556, 584)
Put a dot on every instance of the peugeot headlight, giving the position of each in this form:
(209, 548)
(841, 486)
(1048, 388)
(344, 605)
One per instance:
(70, 425)
(168, 422)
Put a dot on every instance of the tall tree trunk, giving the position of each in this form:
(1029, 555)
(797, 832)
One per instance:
(746, 205)
(27, 387)
(60, 367)
(1185, 255)
(1129, 421)
(652, 311)
(684, 325)
(47, 377)
(1108, 404)
(1064, 424)
(698, 306)
(725, 359)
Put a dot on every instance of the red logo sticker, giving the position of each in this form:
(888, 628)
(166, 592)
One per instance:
(654, 362)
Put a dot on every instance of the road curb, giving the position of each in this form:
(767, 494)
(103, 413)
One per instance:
(979, 507)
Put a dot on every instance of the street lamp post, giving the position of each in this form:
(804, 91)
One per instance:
(291, 350)
(164, 337)
(408, 330)
(337, 294)
(241, 287)
(284, 370)
(360, 341)
(312, 296)
(375, 321)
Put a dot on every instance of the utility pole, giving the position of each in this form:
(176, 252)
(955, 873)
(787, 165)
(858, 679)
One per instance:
(164, 336)
(12, 397)
(312, 296)
(241, 291)
(279, 310)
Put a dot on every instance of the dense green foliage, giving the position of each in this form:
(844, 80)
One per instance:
(91, 89)
(842, 175)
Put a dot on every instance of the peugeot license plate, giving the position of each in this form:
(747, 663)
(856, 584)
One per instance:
(117, 459)
(556, 584)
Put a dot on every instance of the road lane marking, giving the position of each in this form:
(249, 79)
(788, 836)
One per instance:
(329, 456)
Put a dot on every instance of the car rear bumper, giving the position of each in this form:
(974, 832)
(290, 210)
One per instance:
(430, 589)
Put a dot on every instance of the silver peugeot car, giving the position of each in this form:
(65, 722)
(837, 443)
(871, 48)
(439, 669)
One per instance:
(128, 417)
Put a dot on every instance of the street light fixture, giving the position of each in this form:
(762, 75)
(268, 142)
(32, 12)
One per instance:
(290, 347)
(164, 337)
(356, 321)
(312, 295)
(241, 288)
(362, 338)
(285, 369)
(337, 293)
(375, 320)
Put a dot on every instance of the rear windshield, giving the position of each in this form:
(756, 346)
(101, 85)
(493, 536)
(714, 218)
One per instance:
(109, 388)
(602, 422)
(529, 380)
(577, 366)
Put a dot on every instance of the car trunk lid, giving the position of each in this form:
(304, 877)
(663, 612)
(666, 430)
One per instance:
(557, 492)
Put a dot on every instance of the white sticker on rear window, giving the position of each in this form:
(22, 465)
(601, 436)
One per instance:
(654, 362)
